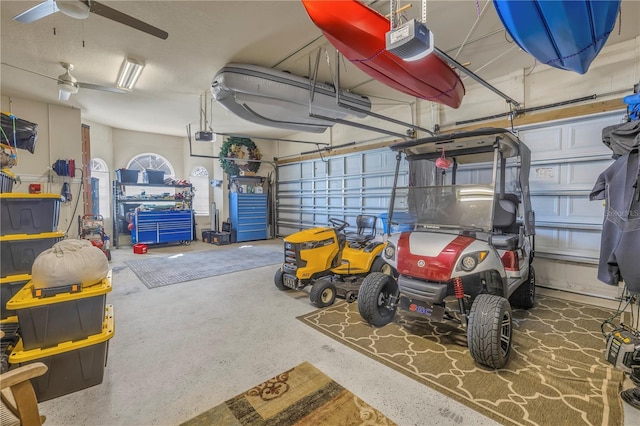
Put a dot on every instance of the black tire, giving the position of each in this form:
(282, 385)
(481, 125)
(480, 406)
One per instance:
(379, 265)
(373, 297)
(489, 330)
(524, 297)
(278, 281)
(108, 255)
(322, 294)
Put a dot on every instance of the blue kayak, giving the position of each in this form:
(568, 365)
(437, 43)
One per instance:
(565, 34)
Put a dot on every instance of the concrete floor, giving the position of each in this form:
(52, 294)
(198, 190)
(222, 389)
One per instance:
(182, 349)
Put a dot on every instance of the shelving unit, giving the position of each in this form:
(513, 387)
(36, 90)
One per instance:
(168, 228)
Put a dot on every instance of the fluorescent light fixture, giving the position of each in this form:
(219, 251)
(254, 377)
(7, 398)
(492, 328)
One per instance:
(129, 73)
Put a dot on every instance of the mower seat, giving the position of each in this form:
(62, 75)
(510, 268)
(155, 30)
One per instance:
(366, 230)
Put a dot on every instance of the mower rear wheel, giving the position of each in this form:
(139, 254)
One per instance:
(322, 294)
(278, 281)
(489, 330)
(108, 253)
(373, 299)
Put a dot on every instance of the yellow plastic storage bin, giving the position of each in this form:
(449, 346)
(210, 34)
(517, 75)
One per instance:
(72, 365)
(22, 213)
(47, 321)
(20, 251)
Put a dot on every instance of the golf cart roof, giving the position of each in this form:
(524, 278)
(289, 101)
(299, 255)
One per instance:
(465, 146)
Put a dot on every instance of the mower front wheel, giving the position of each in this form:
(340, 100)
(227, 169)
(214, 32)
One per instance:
(278, 281)
(322, 294)
(379, 265)
(374, 297)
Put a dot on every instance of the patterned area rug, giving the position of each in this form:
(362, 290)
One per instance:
(556, 374)
(159, 271)
(300, 396)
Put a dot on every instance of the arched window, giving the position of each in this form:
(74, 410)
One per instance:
(200, 180)
(100, 171)
(152, 161)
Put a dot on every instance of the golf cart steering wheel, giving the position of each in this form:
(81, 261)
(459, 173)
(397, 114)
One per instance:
(338, 224)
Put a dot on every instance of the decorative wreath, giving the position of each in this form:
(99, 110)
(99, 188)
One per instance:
(243, 149)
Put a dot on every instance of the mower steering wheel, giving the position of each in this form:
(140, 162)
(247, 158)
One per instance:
(338, 224)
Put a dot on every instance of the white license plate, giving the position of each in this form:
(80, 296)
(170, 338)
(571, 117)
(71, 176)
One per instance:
(289, 281)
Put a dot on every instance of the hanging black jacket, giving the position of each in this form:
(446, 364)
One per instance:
(620, 243)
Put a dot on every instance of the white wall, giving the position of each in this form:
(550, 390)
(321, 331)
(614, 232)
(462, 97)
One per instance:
(59, 137)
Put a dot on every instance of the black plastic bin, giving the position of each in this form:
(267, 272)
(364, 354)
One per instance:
(127, 175)
(47, 321)
(154, 176)
(20, 251)
(9, 286)
(29, 213)
(72, 365)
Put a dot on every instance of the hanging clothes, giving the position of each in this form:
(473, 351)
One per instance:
(620, 242)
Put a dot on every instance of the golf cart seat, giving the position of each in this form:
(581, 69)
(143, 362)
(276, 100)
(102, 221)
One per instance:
(366, 230)
(505, 223)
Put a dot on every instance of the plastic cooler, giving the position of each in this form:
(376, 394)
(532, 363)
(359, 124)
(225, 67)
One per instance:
(29, 213)
(401, 222)
(72, 366)
(47, 321)
(20, 251)
(9, 286)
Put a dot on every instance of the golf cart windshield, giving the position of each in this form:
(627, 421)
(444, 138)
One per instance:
(465, 181)
(459, 207)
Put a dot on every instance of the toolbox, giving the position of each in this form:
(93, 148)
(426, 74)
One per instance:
(29, 213)
(20, 251)
(72, 365)
(9, 286)
(47, 321)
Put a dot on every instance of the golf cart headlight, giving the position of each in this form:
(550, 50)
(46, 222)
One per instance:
(390, 251)
(307, 245)
(469, 262)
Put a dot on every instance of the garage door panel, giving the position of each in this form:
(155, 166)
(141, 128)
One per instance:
(544, 175)
(543, 143)
(546, 208)
(586, 173)
(585, 210)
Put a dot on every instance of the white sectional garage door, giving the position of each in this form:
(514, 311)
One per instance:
(310, 192)
(566, 159)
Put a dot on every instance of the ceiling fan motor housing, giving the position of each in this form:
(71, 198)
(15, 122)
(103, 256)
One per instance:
(74, 8)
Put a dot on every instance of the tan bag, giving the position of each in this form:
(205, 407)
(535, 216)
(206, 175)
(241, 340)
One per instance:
(69, 262)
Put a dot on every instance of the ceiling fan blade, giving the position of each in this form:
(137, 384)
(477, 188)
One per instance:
(30, 71)
(114, 15)
(103, 88)
(38, 11)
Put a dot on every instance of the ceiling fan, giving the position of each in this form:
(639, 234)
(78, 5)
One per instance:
(80, 9)
(67, 84)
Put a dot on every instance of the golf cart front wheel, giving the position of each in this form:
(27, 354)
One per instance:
(322, 294)
(489, 330)
(373, 299)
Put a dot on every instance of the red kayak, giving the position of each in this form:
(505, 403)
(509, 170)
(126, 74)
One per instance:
(358, 32)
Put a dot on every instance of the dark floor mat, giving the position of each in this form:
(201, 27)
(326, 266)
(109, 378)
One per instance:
(160, 271)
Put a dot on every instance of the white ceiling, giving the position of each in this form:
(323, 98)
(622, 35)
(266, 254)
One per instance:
(205, 35)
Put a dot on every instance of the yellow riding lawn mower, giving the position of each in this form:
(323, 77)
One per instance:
(332, 262)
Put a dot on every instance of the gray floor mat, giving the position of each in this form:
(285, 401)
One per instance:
(161, 271)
